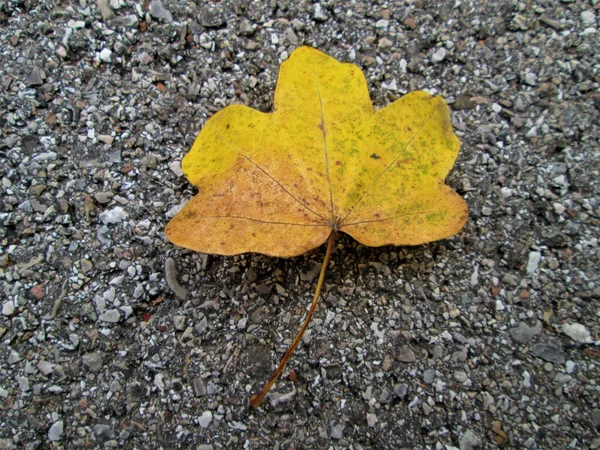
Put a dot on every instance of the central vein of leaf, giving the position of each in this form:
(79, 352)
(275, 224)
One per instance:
(323, 128)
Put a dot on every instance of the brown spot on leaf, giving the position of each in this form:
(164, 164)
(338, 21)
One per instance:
(375, 156)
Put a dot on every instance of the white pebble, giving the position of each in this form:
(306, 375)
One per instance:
(439, 55)
(533, 262)
(205, 419)
(113, 216)
(8, 308)
(588, 17)
(577, 332)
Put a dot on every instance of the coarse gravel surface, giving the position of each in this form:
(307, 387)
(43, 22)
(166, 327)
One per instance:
(114, 338)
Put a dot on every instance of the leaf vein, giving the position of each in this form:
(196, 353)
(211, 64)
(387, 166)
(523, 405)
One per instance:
(376, 180)
(263, 170)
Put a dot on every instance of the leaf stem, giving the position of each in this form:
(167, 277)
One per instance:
(257, 399)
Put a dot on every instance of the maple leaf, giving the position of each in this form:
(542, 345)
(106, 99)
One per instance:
(279, 183)
(323, 161)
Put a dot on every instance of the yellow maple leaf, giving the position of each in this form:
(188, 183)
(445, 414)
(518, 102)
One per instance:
(279, 183)
(323, 161)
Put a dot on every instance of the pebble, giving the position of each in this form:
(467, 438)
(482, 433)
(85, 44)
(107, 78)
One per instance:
(405, 354)
(469, 441)
(56, 431)
(384, 43)
(46, 367)
(577, 332)
(205, 419)
(105, 55)
(533, 262)
(171, 278)
(530, 78)
(158, 11)
(439, 55)
(110, 316)
(35, 78)
(523, 333)
(8, 308)
(175, 167)
(588, 17)
(105, 10)
(180, 322)
(319, 13)
(113, 216)
(337, 430)
(93, 361)
(371, 420)
(549, 352)
(428, 376)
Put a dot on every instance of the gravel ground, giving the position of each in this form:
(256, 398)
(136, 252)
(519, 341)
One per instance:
(114, 338)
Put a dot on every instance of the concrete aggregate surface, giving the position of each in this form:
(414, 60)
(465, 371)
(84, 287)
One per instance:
(114, 338)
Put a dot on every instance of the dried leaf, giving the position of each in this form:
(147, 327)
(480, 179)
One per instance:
(322, 161)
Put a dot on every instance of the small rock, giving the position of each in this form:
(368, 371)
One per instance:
(428, 376)
(158, 11)
(319, 14)
(179, 322)
(588, 17)
(577, 332)
(23, 384)
(469, 441)
(439, 55)
(110, 316)
(113, 216)
(105, 55)
(171, 277)
(549, 352)
(175, 166)
(524, 333)
(56, 431)
(8, 308)
(400, 390)
(93, 361)
(533, 262)
(530, 78)
(337, 430)
(246, 27)
(205, 419)
(103, 197)
(105, 10)
(463, 102)
(211, 17)
(35, 78)
(45, 367)
(405, 354)
(371, 420)
(384, 43)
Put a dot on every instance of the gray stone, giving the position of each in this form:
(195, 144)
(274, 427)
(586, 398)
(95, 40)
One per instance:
(103, 432)
(549, 352)
(400, 390)
(428, 376)
(439, 55)
(35, 78)
(469, 441)
(179, 322)
(93, 361)
(319, 14)
(56, 431)
(8, 308)
(105, 10)
(205, 419)
(588, 17)
(577, 332)
(337, 430)
(171, 278)
(110, 316)
(524, 333)
(405, 354)
(158, 11)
